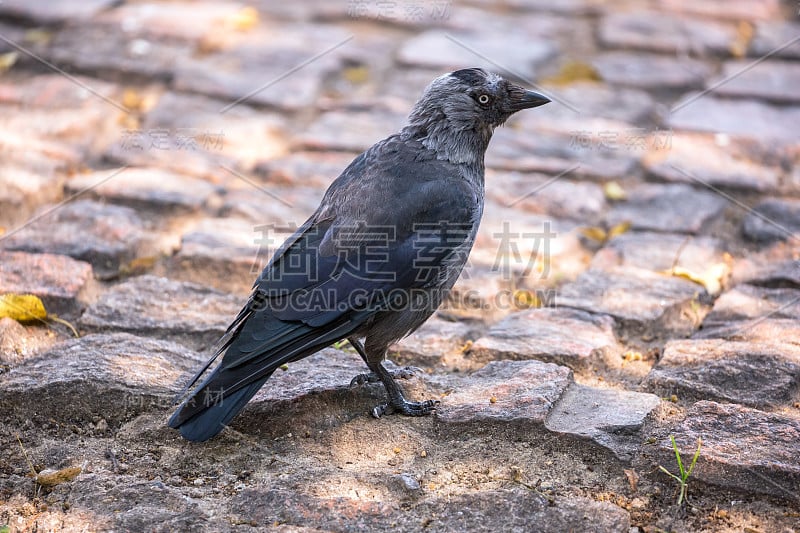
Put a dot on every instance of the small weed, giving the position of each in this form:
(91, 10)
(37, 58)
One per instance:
(683, 478)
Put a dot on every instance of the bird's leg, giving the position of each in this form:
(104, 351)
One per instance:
(397, 402)
(407, 372)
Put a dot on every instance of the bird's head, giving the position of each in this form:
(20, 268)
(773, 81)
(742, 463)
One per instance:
(473, 98)
(459, 111)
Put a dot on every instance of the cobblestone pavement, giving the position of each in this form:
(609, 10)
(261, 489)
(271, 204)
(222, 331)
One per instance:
(636, 276)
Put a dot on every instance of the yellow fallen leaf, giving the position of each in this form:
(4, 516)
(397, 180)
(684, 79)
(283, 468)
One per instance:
(132, 99)
(38, 36)
(740, 43)
(26, 308)
(356, 75)
(245, 19)
(138, 265)
(51, 478)
(619, 229)
(614, 191)
(573, 71)
(7, 61)
(595, 233)
(22, 307)
(711, 279)
(526, 299)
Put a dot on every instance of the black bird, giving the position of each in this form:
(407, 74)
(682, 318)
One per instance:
(375, 260)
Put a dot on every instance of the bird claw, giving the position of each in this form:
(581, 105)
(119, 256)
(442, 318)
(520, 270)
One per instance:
(407, 408)
(407, 372)
(361, 379)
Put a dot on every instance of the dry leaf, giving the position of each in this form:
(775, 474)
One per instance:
(711, 279)
(595, 233)
(22, 307)
(7, 61)
(26, 308)
(51, 478)
(138, 265)
(619, 229)
(38, 36)
(245, 19)
(573, 71)
(526, 299)
(614, 191)
(633, 478)
(740, 44)
(356, 75)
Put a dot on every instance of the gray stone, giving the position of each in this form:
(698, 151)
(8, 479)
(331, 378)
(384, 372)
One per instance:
(610, 418)
(743, 449)
(145, 188)
(128, 503)
(776, 37)
(436, 342)
(759, 374)
(106, 236)
(667, 208)
(772, 80)
(325, 373)
(734, 11)
(639, 300)
(745, 118)
(517, 392)
(167, 21)
(659, 252)
(748, 312)
(769, 270)
(517, 510)
(60, 281)
(405, 484)
(565, 7)
(352, 131)
(151, 306)
(568, 337)
(774, 219)
(700, 159)
(189, 135)
(437, 50)
(76, 46)
(650, 71)
(304, 169)
(114, 377)
(537, 193)
(26, 185)
(480, 293)
(274, 211)
(18, 342)
(560, 153)
(53, 12)
(54, 92)
(223, 253)
(587, 99)
(664, 32)
(485, 510)
(316, 393)
(254, 69)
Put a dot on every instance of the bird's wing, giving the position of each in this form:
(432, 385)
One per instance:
(338, 271)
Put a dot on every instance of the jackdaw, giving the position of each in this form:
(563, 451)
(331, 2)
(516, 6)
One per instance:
(376, 258)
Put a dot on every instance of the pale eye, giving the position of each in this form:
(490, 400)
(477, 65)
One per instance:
(483, 99)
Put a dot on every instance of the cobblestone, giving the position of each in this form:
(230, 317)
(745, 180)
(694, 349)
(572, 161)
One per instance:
(639, 237)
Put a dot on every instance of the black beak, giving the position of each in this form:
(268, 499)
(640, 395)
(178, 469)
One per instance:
(524, 99)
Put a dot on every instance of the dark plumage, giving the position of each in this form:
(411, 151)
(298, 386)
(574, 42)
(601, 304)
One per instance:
(375, 260)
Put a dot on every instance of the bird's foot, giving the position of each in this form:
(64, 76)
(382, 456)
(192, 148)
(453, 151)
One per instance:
(407, 372)
(405, 407)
